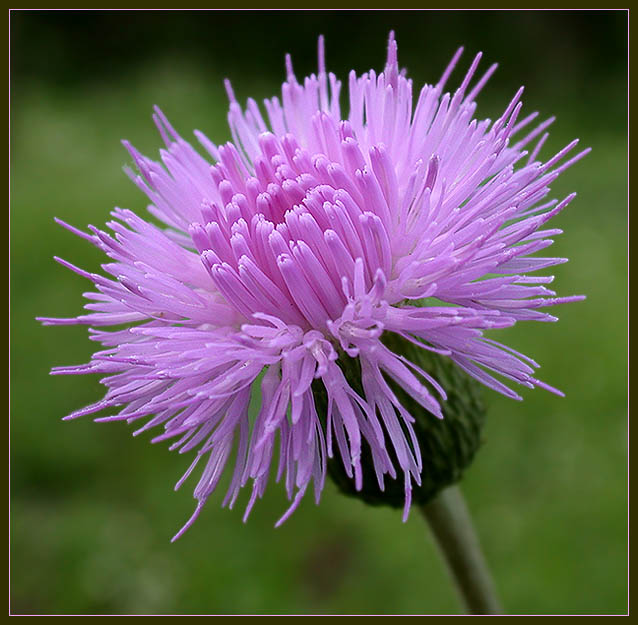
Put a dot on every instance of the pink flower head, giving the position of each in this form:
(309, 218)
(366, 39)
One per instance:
(312, 235)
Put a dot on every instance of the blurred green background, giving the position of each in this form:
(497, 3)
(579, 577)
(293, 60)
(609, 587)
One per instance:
(93, 509)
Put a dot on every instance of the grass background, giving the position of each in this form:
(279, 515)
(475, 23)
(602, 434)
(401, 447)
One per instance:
(92, 510)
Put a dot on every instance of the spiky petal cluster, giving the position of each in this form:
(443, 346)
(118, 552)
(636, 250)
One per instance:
(308, 238)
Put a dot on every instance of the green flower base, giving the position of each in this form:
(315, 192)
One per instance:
(447, 445)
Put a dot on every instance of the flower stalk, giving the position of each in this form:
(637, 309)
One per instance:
(451, 524)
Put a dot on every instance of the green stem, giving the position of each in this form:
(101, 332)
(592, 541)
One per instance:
(451, 524)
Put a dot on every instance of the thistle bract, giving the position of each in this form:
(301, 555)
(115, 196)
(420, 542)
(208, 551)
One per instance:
(314, 239)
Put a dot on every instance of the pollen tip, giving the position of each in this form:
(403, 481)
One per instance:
(229, 91)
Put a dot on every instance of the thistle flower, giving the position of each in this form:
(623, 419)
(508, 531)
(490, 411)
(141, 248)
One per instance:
(312, 242)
